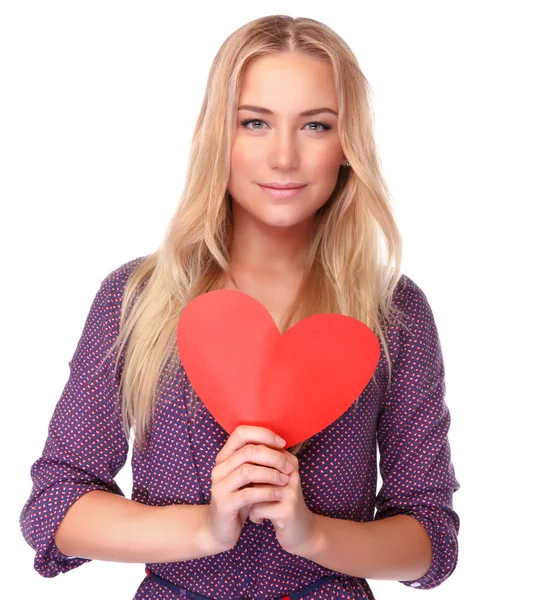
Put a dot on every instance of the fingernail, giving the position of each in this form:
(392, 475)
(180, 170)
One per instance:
(279, 441)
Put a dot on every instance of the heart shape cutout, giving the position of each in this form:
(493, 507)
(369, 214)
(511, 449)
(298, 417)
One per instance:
(246, 372)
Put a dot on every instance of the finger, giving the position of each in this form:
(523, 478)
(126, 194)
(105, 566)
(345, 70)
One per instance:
(292, 458)
(246, 434)
(242, 464)
(264, 510)
(254, 495)
(249, 474)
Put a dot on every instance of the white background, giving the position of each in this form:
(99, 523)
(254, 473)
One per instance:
(98, 103)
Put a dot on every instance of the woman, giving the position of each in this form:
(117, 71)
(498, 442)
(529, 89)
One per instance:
(286, 104)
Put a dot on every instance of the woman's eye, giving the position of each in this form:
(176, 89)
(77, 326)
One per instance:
(324, 126)
(245, 123)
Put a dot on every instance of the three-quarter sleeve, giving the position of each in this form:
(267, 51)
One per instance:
(412, 431)
(85, 447)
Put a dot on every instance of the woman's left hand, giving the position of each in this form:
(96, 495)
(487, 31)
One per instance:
(294, 523)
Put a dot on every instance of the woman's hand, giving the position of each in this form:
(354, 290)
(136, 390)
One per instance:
(250, 468)
(294, 523)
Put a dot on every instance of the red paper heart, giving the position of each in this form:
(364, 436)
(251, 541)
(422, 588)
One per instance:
(246, 372)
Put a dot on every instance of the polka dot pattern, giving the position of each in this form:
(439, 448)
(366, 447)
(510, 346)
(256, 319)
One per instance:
(408, 422)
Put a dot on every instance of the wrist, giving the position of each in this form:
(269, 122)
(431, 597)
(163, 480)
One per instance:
(317, 539)
(205, 542)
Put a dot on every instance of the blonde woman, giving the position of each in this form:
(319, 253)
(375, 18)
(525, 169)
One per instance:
(285, 201)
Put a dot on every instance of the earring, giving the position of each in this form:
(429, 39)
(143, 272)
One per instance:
(347, 164)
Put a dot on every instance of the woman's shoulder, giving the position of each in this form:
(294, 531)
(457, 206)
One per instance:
(411, 303)
(121, 274)
(112, 286)
(116, 279)
(407, 290)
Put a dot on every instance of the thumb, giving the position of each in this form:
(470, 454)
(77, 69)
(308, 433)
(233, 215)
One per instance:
(243, 513)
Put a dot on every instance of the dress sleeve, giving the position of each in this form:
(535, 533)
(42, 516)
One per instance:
(85, 447)
(412, 431)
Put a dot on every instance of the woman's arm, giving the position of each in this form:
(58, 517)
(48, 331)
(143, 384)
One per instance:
(105, 526)
(85, 449)
(415, 464)
(393, 548)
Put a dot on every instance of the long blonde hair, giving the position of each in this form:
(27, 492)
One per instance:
(354, 259)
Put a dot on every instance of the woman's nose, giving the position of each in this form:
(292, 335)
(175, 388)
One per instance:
(284, 150)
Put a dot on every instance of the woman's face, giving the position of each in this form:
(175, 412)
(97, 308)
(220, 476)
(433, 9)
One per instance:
(284, 146)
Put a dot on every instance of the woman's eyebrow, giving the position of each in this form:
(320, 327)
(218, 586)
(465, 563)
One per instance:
(306, 113)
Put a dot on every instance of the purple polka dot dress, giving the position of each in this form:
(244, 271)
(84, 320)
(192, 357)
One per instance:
(409, 422)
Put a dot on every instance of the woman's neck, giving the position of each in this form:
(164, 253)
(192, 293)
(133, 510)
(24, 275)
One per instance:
(267, 251)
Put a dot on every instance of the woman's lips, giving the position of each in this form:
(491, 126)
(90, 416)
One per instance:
(282, 192)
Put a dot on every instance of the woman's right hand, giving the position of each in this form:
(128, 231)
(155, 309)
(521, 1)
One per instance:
(249, 456)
